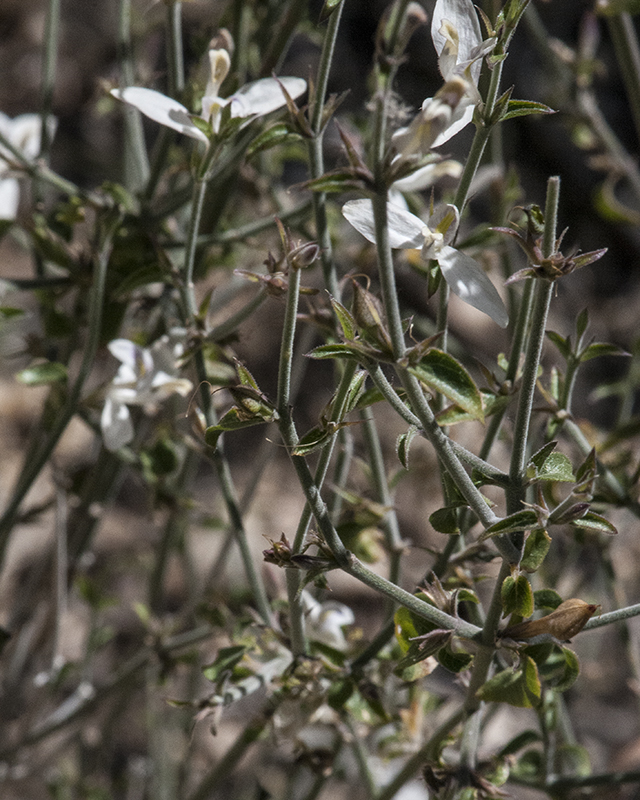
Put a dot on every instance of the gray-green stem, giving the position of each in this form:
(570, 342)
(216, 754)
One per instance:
(175, 58)
(136, 161)
(316, 158)
(542, 299)
(49, 71)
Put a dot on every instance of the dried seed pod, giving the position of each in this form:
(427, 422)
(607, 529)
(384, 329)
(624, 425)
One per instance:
(568, 619)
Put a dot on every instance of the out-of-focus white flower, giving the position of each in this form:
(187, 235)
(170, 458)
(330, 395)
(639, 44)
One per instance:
(423, 178)
(384, 771)
(254, 99)
(324, 622)
(456, 35)
(145, 378)
(24, 133)
(406, 231)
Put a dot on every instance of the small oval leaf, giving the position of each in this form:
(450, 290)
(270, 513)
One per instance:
(440, 371)
(517, 596)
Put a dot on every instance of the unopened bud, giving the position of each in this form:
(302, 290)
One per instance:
(304, 255)
(369, 316)
(392, 38)
(566, 621)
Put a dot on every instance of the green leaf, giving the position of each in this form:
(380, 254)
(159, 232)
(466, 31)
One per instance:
(520, 521)
(492, 404)
(277, 134)
(346, 320)
(444, 374)
(582, 321)
(569, 673)
(546, 598)
(51, 247)
(445, 520)
(403, 443)
(233, 420)
(501, 106)
(517, 596)
(530, 766)
(573, 759)
(597, 349)
(540, 456)
(563, 345)
(556, 467)
(522, 108)
(356, 390)
(339, 693)
(535, 549)
(43, 374)
(9, 312)
(408, 625)
(350, 352)
(454, 662)
(520, 687)
(419, 651)
(369, 397)
(315, 439)
(594, 522)
(246, 378)
(338, 181)
(225, 661)
(531, 680)
(465, 595)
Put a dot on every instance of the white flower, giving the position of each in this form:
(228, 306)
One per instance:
(406, 231)
(24, 133)
(146, 377)
(456, 35)
(324, 621)
(254, 99)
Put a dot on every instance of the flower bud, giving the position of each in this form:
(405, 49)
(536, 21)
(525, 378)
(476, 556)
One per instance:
(566, 621)
(391, 47)
(304, 255)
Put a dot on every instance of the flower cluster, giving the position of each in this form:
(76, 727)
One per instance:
(456, 35)
(145, 378)
(252, 100)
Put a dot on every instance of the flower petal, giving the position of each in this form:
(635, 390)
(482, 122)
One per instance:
(445, 219)
(266, 95)
(116, 425)
(220, 63)
(461, 117)
(405, 229)
(164, 385)
(324, 621)
(463, 19)
(127, 352)
(160, 108)
(9, 197)
(466, 279)
(426, 176)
